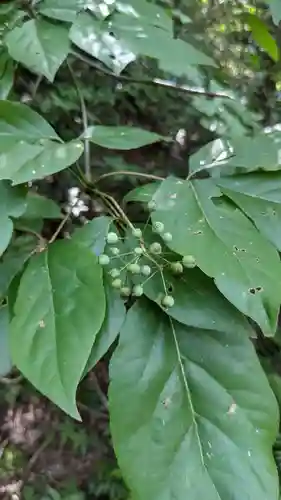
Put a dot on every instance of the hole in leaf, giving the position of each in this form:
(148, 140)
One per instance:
(170, 288)
(252, 291)
(198, 232)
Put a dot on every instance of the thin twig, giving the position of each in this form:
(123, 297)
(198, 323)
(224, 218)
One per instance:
(127, 172)
(61, 225)
(84, 113)
(100, 393)
(27, 230)
(155, 82)
(106, 196)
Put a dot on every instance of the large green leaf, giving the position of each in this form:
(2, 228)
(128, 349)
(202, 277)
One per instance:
(38, 206)
(92, 36)
(12, 204)
(262, 36)
(225, 244)
(59, 310)
(141, 38)
(22, 162)
(62, 10)
(14, 259)
(253, 194)
(122, 137)
(5, 358)
(20, 123)
(114, 318)
(6, 75)
(192, 414)
(40, 45)
(93, 234)
(197, 302)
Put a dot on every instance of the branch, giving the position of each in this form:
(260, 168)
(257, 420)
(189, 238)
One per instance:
(128, 172)
(155, 82)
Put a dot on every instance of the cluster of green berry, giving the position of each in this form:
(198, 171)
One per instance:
(137, 268)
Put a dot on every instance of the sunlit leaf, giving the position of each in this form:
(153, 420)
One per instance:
(59, 310)
(192, 414)
(122, 137)
(40, 45)
(226, 246)
(262, 36)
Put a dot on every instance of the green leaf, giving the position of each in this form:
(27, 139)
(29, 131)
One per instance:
(197, 302)
(122, 137)
(40, 45)
(14, 259)
(259, 185)
(192, 414)
(114, 318)
(22, 162)
(142, 194)
(12, 204)
(38, 206)
(92, 36)
(147, 14)
(226, 245)
(62, 10)
(258, 196)
(92, 235)
(259, 151)
(19, 122)
(262, 36)
(59, 310)
(6, 75)
(275, 10)
(146, 39)
(5, 359)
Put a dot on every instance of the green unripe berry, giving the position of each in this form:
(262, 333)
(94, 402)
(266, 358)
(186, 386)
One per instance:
(137, 233)
(115, 273)
(155, 248)
(137, 291)
(176, 267)
(115, 251)
(146, 270)
(167, 237)
(104, 259)
(158, 227)
(112, 238)
(125, 291)
(134, 268)
(151, 205)
(138, 251)
(117, 283)
(189, 261)
(168, 301)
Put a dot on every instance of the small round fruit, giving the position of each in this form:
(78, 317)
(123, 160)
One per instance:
(138, 251)
(151, 205)
(176, 267)
(168, 301)
(112, 238)
(137, 291)
(158, 227)
(155, 248)
(189, 261)
(146, 270)
(167, 237)
(136, 232)
(125, 291)
(114, 251)
(104, 259)
(117, 283)
(114, 273)
(134, 268)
